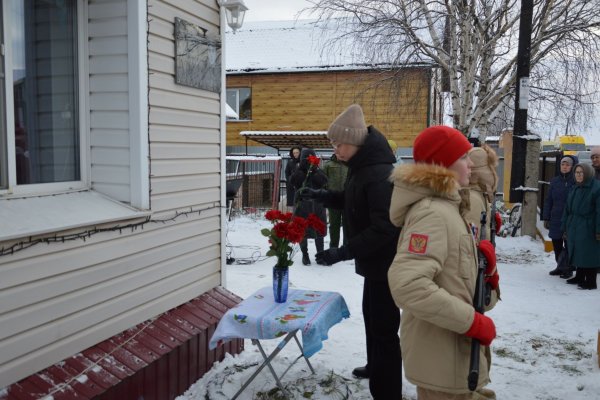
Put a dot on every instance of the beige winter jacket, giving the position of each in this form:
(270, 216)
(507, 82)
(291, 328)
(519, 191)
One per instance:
(432, 278)
(478, 203)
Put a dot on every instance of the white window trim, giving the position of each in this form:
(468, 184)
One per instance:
(139, 182)
(41, 188)
(53, 217)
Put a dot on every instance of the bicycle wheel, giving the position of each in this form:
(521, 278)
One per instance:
(514, 218)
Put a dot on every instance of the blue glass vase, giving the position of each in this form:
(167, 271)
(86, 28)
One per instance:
(280, 284)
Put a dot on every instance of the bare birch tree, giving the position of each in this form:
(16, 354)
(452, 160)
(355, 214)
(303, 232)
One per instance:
(474, 43)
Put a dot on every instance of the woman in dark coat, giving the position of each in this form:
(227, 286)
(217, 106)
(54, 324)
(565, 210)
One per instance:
(554, 205)
(290, 168)
(581, 223)
(372, 242)
(315, 180)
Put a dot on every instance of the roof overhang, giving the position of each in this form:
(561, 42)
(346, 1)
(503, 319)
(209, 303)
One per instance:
(287, 139)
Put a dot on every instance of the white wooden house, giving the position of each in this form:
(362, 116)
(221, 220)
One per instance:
(111, 173)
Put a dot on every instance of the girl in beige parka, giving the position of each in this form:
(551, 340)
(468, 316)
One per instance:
(433, 276)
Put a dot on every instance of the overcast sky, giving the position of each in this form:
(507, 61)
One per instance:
(274, 10)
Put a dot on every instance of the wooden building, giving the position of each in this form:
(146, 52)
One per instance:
(281, 77)
(112, 195)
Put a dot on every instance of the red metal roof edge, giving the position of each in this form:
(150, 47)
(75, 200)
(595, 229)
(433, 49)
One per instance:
(104, 365)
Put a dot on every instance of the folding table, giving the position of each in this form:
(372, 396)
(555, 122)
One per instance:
(258, 317)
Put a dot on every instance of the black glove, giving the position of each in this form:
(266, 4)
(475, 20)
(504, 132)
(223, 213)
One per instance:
(332, 255)
(312, 194)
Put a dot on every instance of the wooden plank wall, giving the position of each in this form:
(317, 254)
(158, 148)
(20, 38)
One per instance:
(311, 101)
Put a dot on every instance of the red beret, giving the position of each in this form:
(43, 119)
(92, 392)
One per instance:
(441, 145)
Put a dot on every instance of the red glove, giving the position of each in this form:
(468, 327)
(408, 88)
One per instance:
(486, 249)
(498, 219)
(482, 329)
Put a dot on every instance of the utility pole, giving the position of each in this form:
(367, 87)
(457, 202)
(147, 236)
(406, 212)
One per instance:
(524, 181)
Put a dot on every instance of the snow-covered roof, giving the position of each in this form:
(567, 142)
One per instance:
(291, 46)
(286, 139)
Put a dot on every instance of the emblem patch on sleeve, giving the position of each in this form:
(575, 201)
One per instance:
(418, 243)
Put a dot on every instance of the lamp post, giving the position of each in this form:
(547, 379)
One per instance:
(234, 12)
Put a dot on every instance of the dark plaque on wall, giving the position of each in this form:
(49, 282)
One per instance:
(197, 58)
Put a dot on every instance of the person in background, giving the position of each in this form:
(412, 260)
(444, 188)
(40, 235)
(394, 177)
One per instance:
(554, 206)
(394, 148)
(434, 273)
(372, 240)
(316, 179)
(336, 178)
(581, 224)
(290, 168)
(595, 157)
(482, 189)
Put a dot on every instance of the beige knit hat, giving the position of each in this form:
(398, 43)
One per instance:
(483, 172)
(349, 127)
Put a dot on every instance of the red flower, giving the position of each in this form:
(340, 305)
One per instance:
(287, 229)
(316, 223)
(314, 160)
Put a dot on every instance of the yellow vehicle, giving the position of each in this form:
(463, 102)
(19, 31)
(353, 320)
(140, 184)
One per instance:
(548, 145)
(571, 144)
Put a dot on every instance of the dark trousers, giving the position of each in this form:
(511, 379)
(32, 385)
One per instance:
(558, 245)
(319, 244)
(335, 224)
(384, 360)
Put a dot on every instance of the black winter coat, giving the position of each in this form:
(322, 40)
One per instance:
(290, 168)
(554, 204)
(316, 180)
(372, 238)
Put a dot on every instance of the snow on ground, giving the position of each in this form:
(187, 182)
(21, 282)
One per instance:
(545, 349)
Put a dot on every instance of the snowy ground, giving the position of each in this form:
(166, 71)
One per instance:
(545, 349)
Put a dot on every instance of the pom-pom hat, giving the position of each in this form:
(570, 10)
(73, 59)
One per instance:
(441, 145)
(349, 127)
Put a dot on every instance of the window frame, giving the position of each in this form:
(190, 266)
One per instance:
(237, 105)
(13, 188)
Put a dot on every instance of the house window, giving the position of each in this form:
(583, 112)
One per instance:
(40, 116)
(240, 100)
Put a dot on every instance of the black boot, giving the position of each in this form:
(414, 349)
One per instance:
(555, 271)
(305, 259)
(589, 280)
(578, 278)
(361, 372)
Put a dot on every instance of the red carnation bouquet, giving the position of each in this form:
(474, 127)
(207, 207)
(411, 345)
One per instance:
(288, 229)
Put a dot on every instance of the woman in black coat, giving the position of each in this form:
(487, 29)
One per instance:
(554, 206)
(290, 168)
(315, 180)
(372, 242)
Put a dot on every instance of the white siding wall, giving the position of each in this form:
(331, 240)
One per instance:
(108, 98)
(58, 299)
(184, 121)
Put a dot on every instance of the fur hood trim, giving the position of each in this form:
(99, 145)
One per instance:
(414, 183)
(439, 180)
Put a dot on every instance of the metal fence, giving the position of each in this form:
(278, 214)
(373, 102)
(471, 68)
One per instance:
(252, 183)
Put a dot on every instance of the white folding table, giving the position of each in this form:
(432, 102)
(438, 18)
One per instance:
(308, 312)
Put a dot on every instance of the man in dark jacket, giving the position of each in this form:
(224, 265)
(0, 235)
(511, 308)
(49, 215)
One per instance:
(595, 157)
(554, 205)
(372, 241)
(337, 173)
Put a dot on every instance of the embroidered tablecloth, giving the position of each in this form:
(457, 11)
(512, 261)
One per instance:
(259, 317)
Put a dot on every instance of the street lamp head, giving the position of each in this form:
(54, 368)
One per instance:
(234, 12)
